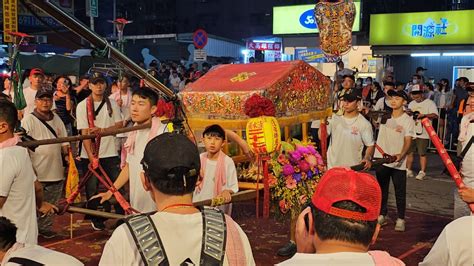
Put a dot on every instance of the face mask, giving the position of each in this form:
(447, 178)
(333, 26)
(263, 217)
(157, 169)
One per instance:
(359, 83)
(415, 81)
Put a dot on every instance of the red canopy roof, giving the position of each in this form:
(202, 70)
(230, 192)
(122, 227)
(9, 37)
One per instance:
(242, 77)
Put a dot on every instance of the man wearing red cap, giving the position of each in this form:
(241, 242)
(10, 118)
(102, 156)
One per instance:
(341, 222)
(36, 79)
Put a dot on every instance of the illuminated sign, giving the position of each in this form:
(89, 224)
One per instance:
(300, 19)
(263, 46)
(310, 55)
(10, 19)
(422, 28)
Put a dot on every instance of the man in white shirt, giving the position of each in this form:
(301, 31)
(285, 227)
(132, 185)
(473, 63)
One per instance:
(36, 79)
(123, 98)
(421, 108)
(94, 115)
(341, 222)
(20, 192)
(454, 246)
(341, 72)
(394, 139)
(142, 108)
(13, 253)
(174, 81)
(47, 160)
(467, 165)
(349, 134)
(171, 166)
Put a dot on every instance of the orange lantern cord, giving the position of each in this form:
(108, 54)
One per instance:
(444, 156)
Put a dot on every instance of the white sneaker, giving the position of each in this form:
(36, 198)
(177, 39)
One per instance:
(400, 225)
(382, 220)
(410, 174)
(421, 175)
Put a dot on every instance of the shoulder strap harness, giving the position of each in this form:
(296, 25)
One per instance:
(150, 246)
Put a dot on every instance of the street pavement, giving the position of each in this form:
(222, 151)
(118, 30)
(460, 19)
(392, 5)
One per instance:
(432, 195)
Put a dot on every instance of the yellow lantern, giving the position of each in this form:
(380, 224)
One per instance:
(263, 134)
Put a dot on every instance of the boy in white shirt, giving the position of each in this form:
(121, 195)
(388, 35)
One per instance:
(395, 139)
(123, 98)
(142, 108)
(14, 253)
(47, 160)
(20, 192)
(94, 115)
(218, 173)
(424, 108)
(349, 134)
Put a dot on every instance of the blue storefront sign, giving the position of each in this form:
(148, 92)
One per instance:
(310, 55)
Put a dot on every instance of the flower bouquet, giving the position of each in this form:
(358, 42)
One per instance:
(296, 172)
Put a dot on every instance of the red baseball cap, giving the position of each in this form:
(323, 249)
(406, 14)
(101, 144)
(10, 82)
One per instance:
(339, 184)
(36, 71)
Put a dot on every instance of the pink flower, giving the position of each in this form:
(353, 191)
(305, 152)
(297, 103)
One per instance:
(303, 199)
(288, 169)
(311, 149)
(282, 159)
(283, 206)
(304, 166)
(311, 160)
(272, 181)
(290, 182)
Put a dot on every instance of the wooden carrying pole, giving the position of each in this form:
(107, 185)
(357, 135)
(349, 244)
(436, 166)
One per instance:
(237, 197)
(35, 143)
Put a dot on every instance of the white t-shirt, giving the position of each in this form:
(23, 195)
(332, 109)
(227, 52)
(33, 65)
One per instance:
(102, 120)
(380, 104)
(17, 185)
(175, 82)
(425, 107)
(467, 168)
(125, 108)
(180, 234)
(139, 198)
(46, 159)
(30, 95)
(454, 245)
(348, 138)
(330, 259)
(207, 191)
(41, 255)
(392, 136)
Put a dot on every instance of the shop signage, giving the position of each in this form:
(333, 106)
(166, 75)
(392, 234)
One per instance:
(310, 55)
(422, 28)
(200, 55)
(10, 19)
(263, 46)
(300, 19)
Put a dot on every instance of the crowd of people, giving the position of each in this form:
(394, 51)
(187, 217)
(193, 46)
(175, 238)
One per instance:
(165, 173)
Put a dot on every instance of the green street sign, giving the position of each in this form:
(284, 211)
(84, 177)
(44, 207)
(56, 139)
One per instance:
(92, 8)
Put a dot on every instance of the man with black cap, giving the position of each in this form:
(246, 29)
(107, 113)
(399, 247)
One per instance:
(421, 72)
(349, 133)
(175, 233)
(96, 114)
(394, 139)
(47, 160)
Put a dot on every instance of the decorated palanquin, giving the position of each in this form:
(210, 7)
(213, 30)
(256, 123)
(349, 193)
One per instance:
(299, 92)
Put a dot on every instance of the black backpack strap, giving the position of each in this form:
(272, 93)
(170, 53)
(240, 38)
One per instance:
(96, 112)
(24, 262)
(466, 149)
(45, 124)
(214, 237)
(147, 240)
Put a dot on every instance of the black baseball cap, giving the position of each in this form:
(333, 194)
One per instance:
(95, 77)
(352, 95)
(215, 129)
(394, 93)
(171, 155)
(43, 92)
(420, 69)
